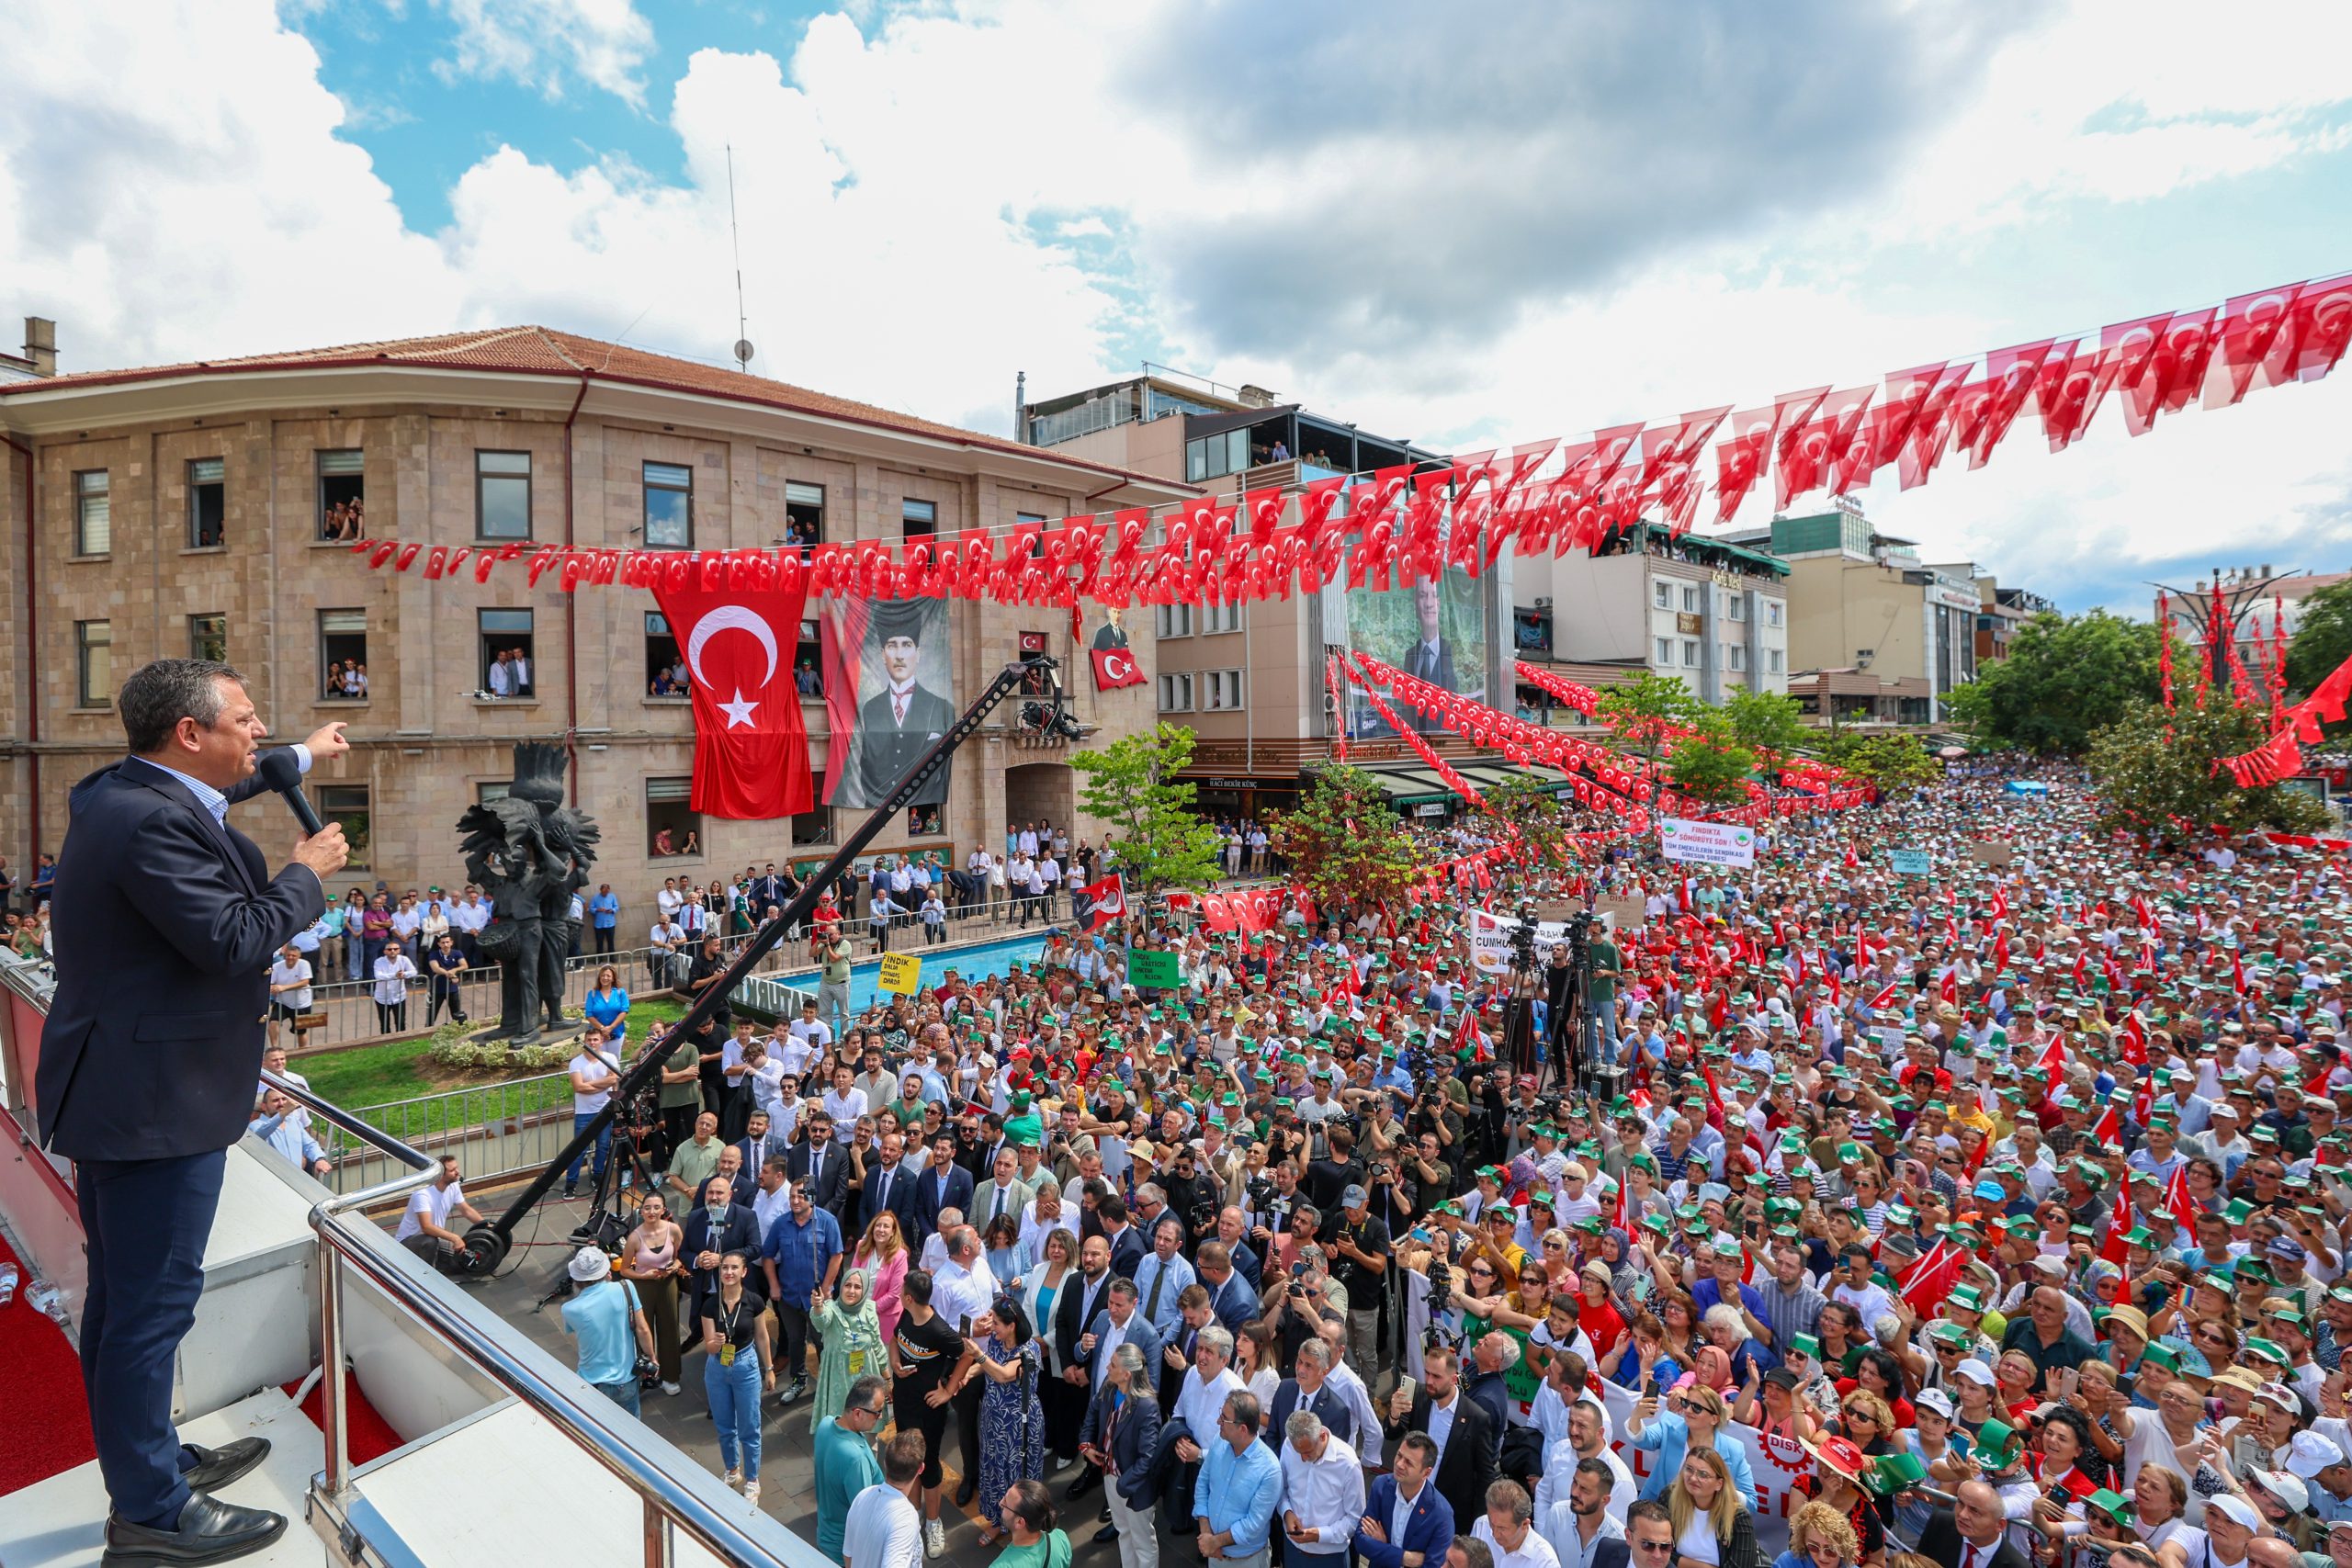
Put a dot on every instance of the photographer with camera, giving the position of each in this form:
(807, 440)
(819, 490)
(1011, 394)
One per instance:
(1360, 1241)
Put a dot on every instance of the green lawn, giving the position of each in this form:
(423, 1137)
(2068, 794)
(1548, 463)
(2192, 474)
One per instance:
(380, 1074)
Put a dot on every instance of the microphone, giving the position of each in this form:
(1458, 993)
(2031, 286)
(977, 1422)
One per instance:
(281, 772)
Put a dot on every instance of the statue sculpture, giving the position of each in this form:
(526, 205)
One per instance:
(530, 854)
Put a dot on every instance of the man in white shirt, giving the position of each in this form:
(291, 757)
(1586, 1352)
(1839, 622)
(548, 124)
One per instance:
(668, 898)
(1509, 1531)
(1576, 1526)
(1201, 1402)
(845, 1102)
(1587, 1438)
(424, 1225)
(289, 990)
(1322, 1492)
(883, 1529)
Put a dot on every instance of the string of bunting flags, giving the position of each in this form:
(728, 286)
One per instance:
(1556, 494)
(2281, 756)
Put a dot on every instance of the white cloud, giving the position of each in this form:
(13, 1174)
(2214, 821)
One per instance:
(541, 43)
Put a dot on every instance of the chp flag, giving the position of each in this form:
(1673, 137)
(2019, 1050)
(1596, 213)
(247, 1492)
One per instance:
(1105, 901)
(751, 747)
(1116, 667)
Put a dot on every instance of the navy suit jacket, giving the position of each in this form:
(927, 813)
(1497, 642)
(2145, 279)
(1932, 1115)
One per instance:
(1128, 1252)
(1245, 1263)
(739, 1233)
(902, 1200)
(1141, 1334)
(1429, 1531)
(1234, 1304)
(1326, 1404)
(1134, 1442)
(163, 923)
(928, 1203)
(832, 1189)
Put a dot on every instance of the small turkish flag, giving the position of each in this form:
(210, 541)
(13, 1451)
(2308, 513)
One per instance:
(751, 747)
(1115, 666)
(1106, 900)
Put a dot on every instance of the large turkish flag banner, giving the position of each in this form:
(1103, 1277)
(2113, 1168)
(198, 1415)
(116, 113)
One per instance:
(751, 747)
(1115, 666)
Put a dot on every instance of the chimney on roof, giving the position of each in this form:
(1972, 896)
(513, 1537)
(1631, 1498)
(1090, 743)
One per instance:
(40, 344)
(1021, 407)
(1254, 397)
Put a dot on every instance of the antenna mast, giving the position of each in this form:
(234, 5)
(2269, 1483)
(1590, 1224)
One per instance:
(735, 237)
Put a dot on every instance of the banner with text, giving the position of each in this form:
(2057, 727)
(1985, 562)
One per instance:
(1707, 844)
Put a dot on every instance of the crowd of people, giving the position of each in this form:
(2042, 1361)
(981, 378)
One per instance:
(1988, 1216)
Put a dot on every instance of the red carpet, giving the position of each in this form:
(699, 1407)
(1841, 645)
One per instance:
(47, 1430)
(365, 1434)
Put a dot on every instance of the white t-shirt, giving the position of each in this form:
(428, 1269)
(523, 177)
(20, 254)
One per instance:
(845, 1109)
(1533, 1552)
(588, 1067)
(435, 1200)
(883, 1530)
(283, 973)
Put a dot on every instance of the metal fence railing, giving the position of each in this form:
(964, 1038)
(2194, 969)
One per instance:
(495, 1129)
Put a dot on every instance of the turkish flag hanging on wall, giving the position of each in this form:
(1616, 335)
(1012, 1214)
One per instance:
(751, 747)
(1116, 667)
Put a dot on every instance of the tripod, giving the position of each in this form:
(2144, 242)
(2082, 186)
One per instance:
(627, 1166)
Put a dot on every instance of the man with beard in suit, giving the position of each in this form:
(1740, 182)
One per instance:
(1442, 1410)
(897, 724)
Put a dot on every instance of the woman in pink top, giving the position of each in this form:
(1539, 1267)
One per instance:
(882, 1253)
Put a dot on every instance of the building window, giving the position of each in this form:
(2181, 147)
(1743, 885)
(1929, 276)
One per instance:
(1735, 657)
(808, 661)
(814, 826)
(923, 822)
(1666, 650)
(502, 495)
(1213, 456)
(506, 650)
(1771, 612)
(1690, 600)
(343, 653)
(672, 827)
(1735, 606)
(1221, 617)
(343, 495)
(1690, 654)
(1222, 689)
(1175, 694)
(1662, 595)
(1772, 660)
(804, 515)
(93, 663)
(917, 519)
(208, 638)
(1173, 620)
(207, 502)
(93, 515)
(347, 804)
(669, 506)
(485, 794)
(665, 668)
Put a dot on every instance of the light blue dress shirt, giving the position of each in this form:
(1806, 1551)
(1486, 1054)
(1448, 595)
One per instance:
(1164, 1317)
(1238, 1492)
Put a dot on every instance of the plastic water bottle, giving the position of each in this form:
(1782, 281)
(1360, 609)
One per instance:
(7, 1283)
(48, 1298)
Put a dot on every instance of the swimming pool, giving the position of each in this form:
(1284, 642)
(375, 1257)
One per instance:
(990, 960)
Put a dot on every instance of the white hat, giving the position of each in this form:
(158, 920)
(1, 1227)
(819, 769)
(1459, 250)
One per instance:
(1975, 1371)
(2310, 1453)
(1937, 1401)
(589, 1264)
(2235, 1509)
(2287, 1488)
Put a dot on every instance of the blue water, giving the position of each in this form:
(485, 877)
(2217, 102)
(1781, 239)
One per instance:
(990, 960)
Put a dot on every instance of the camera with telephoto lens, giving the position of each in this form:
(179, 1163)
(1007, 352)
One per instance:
(1260, 1192)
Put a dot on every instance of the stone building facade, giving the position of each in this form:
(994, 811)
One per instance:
(184, 509)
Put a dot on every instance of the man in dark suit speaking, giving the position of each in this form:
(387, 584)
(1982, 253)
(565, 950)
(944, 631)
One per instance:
(898, 724)
(164, 922)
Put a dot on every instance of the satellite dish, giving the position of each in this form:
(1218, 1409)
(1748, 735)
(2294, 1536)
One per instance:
(743, 352)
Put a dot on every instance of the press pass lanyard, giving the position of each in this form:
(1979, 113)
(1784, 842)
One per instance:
(727, 1333)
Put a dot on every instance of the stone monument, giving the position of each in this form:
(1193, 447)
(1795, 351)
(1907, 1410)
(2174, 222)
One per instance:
(529, 852)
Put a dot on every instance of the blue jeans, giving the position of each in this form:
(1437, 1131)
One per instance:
(734, 1394)
(623, 1394)
(604, 1149)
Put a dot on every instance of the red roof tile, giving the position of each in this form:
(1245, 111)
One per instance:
(549, 352)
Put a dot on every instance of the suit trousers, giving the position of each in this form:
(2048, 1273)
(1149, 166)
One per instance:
(145, 1223)
(968, 1423)
(1064, 1407)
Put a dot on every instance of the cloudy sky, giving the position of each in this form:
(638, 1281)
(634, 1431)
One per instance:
(1466, 224)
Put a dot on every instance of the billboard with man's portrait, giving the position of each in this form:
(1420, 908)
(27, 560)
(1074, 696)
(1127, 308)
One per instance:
(890, 695)
(1434, 628)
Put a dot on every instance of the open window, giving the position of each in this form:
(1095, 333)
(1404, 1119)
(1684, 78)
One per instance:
(804, 515)
(343, 495)
(672, 826)
(343, 654)
(917, 519)
(665, 666)
(507, 656)
(207, 502)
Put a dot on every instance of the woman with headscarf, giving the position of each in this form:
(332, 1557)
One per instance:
(853, 1345)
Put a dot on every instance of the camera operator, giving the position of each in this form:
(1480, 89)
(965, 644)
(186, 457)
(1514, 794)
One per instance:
(1424, 1167)
(1335, 1172)
(1194, 1195)
(1359, 1239)
(1300, 1300)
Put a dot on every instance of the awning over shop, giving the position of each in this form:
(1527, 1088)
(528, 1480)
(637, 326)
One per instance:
(1412, 787)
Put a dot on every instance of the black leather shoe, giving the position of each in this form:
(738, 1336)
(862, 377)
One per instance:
(1084, 1484)
(1106, 1534)
(215, 1467)
(210, 1531)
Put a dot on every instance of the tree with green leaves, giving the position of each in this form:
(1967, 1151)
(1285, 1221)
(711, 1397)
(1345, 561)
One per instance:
(1649, 712)
(1522, 807)
(2157, 775)
(1344, 841)
(1131, 786)
(1898, 764)
(2322, 641)
(1711, 766)
(2066, 677)
(1766, 721)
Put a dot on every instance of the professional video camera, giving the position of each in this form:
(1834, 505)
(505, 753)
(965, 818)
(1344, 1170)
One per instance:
(1257, 1194)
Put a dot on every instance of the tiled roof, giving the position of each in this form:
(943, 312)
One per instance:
(549, 352)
